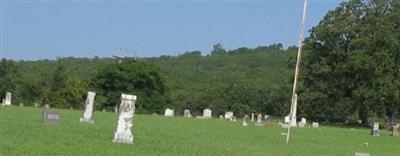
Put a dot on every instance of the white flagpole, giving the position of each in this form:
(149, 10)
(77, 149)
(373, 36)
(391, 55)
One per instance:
(296, 72)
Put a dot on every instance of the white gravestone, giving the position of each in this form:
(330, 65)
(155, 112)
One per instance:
(375, 129)
(228, 115)
(186, 113)
(287, 119)
(169, 112)
(123, 134)
(245, 120)
(315, 125)
(7, 100)
(207, 113)
(252, 117)
(259, 120)
(221, 117)
(303, 122)
(87, 114)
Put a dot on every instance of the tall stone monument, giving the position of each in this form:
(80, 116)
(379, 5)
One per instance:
(169, 112)
(87, 114)
(123, 134)
(207, 113)
(186, 113)
(7, 99)
(252, 117)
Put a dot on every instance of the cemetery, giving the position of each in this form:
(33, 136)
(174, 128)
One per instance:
(335, 93)
(25, 134)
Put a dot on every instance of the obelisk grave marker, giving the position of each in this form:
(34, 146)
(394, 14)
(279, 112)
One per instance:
(123, 134)
(87, 114)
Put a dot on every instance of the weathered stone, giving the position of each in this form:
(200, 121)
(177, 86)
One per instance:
(221, 117)
(303, 122)
(228, 115)
(49, 116)
(362, 154)
(315, 125)
(123, 134)
(87, 114)
(287, 119)
(7, 100)
(186, 113)
(207, 113)
(259, 120)
(375, 129)
(245, 120)
(395, 130)
(169, 112)
(252, 117)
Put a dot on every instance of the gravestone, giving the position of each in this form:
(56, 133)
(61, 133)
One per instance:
(252, 117)
(303, 122)
(169, 112)
(186, 113)
(46, 106)
(395, 130)
(228, 115)
(287, 119)
(116, 109)
(375, 129)
(36, 104)
(221, 117)
(259, 120)
(362, 154)
(7, 100)
(207, 113)
(87, 114)
(245, 120)
(123, 134)
(315, 125)
(50, 116)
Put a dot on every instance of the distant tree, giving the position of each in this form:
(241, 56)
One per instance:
(218, 49)
(131, 77)
(8, 76)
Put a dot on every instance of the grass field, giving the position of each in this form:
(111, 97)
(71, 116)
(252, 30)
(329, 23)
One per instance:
(23, 133)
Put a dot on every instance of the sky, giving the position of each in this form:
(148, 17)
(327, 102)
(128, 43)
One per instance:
(45, 29)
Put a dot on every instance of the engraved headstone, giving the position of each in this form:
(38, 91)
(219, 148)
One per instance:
(375, 129)
(186, 113)
(7, 100)
(207, 113)
(50, 116)
(87, 114)
(362, 154)
(315, 125)
(245, 120)
(123, 134)
(169, 112)
(395, 130)
(228, 115)
(259, 120)
(252, 117)
(303, 122)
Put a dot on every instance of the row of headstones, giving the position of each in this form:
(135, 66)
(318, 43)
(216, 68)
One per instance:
(122, 134)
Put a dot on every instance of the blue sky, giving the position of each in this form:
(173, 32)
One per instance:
(32, 30)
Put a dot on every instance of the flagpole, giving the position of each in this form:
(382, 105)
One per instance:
(296, 72)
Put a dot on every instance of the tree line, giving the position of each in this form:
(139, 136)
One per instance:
(350, 71)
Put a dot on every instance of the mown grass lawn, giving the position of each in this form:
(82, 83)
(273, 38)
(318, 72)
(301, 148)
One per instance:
(22, 133)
